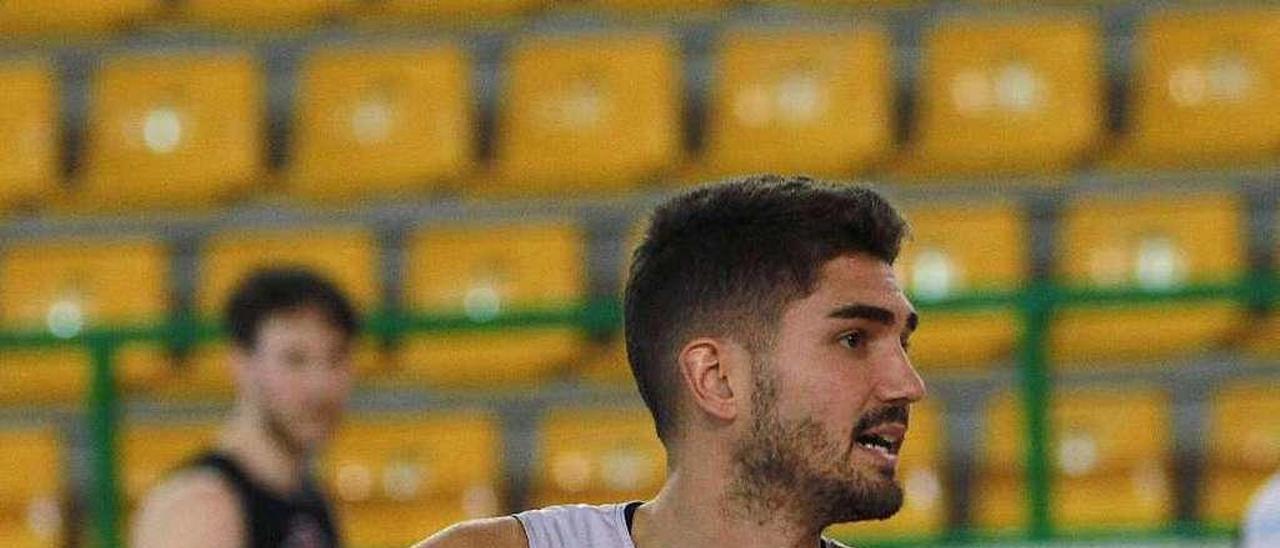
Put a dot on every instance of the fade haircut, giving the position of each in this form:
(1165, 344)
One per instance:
(726, 259)
(269, 291)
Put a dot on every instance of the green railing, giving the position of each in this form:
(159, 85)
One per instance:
(1035, 305)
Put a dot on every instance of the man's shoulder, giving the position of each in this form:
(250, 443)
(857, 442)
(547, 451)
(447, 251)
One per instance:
(193, 486)
(191, 500)
(499, 532)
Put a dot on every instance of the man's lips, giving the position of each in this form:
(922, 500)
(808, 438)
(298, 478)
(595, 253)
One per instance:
(883, 442)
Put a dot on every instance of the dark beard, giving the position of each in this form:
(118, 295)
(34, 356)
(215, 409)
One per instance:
(789, 469)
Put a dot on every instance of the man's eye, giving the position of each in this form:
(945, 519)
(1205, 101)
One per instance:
(853, 340)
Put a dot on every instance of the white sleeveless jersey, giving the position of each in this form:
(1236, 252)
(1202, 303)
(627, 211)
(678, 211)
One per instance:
(577, 526)
(586, 526)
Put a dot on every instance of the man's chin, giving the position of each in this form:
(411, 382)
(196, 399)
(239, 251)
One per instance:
(872, 502)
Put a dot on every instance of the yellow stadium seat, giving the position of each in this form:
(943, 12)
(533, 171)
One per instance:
(32, 17)
(957, 248)
(63, 375)
(347, 256)
(31, 489)
(172, 130)
(1204, 90)
(252, 14)
(462, 12)
(636, 7)
(1162, 243)
(1103, 474)
(588, 113)
(379, 122)
(921, 472)
(1007, 96)
(597, 456)
(149, 452)
(28, 132)
(810, 101)
(65, 286)
(604, 362)
(398, 479)
(1243, 444)
(483, 273)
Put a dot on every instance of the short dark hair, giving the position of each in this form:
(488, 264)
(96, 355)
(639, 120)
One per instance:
(268, 291)
(726, 259)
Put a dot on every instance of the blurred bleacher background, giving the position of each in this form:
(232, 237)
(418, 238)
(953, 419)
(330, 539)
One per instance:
(477, 171)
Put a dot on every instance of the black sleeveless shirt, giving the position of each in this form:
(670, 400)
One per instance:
(299, 521)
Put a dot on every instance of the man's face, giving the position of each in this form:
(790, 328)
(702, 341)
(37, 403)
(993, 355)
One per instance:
(830, 402)
(299, 376)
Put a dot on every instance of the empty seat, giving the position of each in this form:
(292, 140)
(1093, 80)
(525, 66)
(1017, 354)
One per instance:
(1204, 90)
(800, 101)
(1243, 448)
(637, 7)
(66, 286)
(398, 478)
(594, 113)
(28, 132)
(1007, 96)
(250, 14)
(1158, 243)
(31, 489)
(151, 451)
(381, 122)
(346, 256)
(62, 376)
(597, 456)
(481, 273)
(180, 129)
(33, 17)
(604, 362)
(1103, 475)
(460, 12)
(921, 471)
(959, 248)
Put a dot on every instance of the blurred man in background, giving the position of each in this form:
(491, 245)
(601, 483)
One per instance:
(767, 335)
(291, 334)
(1262, 522)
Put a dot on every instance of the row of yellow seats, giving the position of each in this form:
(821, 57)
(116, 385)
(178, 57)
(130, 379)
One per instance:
(65, 286)
(398, 477)
(1158, 243)
(1105, 475)
(30, 18)
(34, 18)
(601, 112)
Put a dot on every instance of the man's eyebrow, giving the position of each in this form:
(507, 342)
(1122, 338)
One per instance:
(874, 313)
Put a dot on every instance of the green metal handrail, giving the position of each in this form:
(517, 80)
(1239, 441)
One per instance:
(1035, 304)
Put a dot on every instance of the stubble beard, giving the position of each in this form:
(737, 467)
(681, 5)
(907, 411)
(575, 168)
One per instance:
(790, 470)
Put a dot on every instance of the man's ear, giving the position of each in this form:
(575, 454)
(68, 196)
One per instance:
(706, 367)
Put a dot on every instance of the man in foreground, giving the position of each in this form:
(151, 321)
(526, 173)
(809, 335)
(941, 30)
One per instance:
(291, 334)
(767, 335)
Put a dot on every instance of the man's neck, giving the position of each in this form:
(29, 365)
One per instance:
(265, 458)
(693, 509)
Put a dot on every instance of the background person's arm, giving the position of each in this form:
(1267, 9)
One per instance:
(194, 509)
